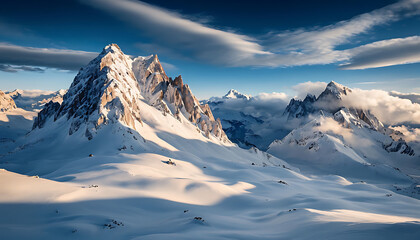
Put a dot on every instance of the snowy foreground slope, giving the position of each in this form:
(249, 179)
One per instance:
(130, 154)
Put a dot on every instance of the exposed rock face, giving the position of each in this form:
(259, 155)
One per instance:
(49, 110)
(334, 91)
(103, 92)
(6, 102)
(110, 87)
(358, 117)
(173, 96)
(328, 101)
(298, 108)
(399, 146)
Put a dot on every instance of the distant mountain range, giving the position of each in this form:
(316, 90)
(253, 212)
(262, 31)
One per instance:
(320, 128)
(34, 100)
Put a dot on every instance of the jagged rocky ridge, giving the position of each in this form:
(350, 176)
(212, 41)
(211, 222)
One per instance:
(329, 102)
(110, 87)
(6, 102)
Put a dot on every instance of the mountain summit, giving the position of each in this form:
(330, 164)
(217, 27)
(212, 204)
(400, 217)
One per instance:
(233, 94)
(330, 104)
(110, 88)
(334, 89)
(330, 101)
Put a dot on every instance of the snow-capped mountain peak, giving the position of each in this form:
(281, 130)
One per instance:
(334, 90)
(358, 117)
(330, 105)
(233, 94)
(298, 108)
(112, 86)
(102, 92)
(329, 101)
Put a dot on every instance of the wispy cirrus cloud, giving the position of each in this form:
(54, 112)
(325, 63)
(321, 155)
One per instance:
(14, 69)
(185, 37)
(180, 35)
(384, 53)
(14, 58)
(168, 66)
(177, 32)
(318, 45)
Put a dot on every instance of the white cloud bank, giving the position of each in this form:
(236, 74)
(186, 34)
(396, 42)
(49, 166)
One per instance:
(305, 88)
(391, 108)
(388, 109)
(267, 105)
(410, 134)
(413, 97)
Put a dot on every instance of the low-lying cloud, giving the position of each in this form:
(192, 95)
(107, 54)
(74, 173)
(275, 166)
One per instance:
(313, 88)
(388, 109)
(391, 108)
(264, 105)
(410, 134)
(413, 97)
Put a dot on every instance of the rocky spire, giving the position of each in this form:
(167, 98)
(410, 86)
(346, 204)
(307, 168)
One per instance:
(104, 91)
(173, 96)
(109, 89)
(334, 90)
(298, 108)
(330, 101)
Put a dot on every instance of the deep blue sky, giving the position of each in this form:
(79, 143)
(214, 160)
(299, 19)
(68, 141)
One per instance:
(211, 69)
